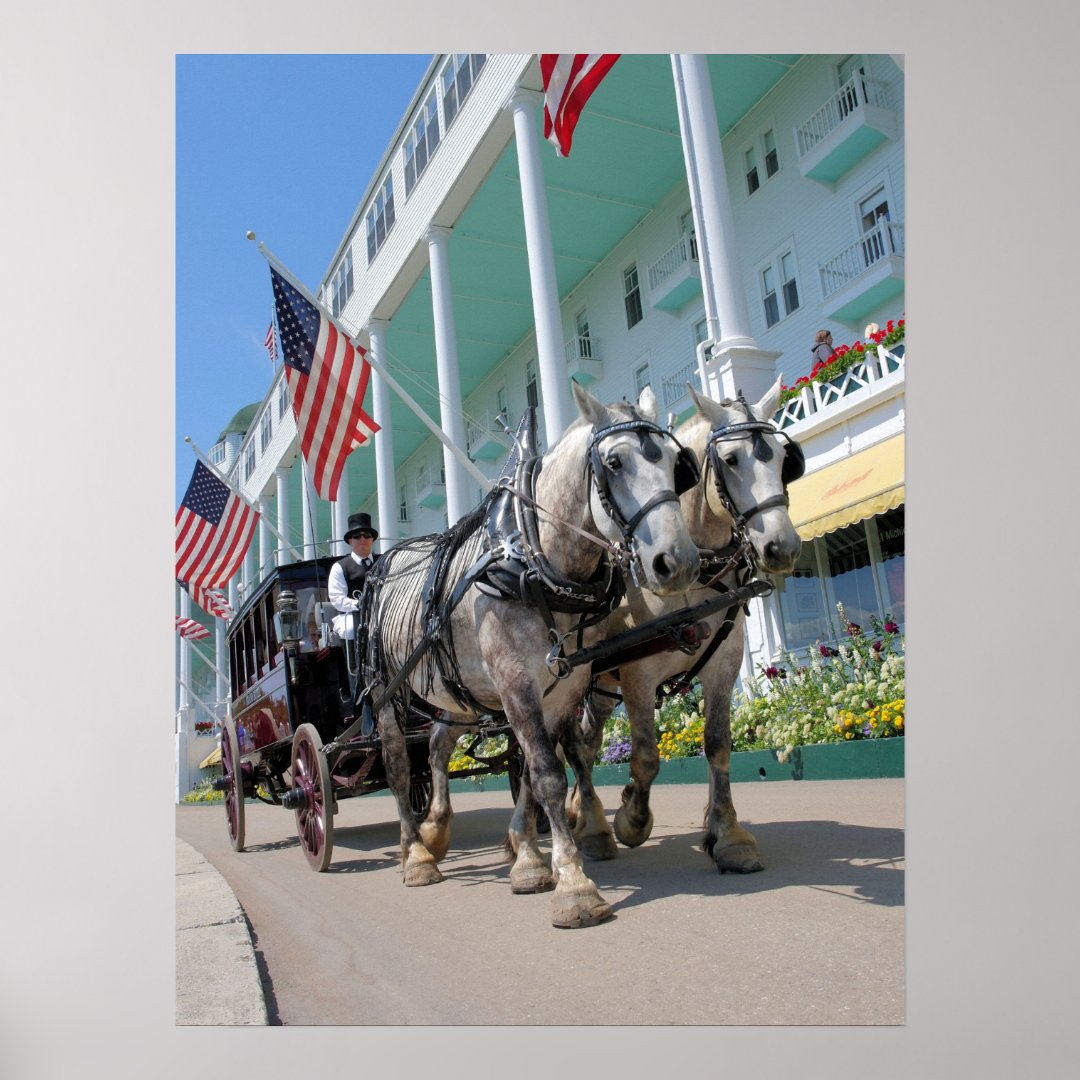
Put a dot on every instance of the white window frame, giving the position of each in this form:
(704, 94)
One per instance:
(249, 461)
(266, 429)
(283, 397)
(775, 264)
(403, 502)
(532, 381)
(421, 143)
(451, 79)
(759, 148)
(687, 228)
(380, 212)
(342, 287)
(629, 292)
(639, 383)
(502, 403)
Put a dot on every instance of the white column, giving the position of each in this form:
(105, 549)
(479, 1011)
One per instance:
(737, 362)
(266, 540)
(307, 508)
(221, 659)
(247, 571)
(340, 512)
(384, 440)
(446, 360)
(558, 409)
(285, 552)
(185, 653)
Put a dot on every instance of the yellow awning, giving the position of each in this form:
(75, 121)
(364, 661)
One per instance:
(858, 487)
(211, 759)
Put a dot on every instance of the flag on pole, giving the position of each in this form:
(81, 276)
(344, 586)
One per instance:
(214, 527)
(189, 628)
(569, 81)
(271, 344)
(212, 601)
(328, 377)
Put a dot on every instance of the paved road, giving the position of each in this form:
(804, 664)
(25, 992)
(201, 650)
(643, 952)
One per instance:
(816, 938)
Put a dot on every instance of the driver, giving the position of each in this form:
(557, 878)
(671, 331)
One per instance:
(347, 575)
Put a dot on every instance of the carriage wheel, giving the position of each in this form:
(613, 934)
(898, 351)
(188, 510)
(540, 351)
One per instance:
(514, 774)
(234, 793)
(420, 798)
(314, 819)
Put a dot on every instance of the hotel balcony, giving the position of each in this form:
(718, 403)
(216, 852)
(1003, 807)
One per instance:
(430, 493)
(484, 439)
(583, 361)
(866, 274)
(675, 278)
(854, 121)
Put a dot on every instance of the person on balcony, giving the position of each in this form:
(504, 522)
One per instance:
(347, 575)
(823, 347)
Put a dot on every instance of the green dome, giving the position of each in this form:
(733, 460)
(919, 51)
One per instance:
(240, 423)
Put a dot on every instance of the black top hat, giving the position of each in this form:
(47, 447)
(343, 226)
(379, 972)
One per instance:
(360, 523)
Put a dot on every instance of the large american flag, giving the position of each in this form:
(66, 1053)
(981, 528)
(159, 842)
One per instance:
(189, 628)
(214, 527)
(569, 81)
(328, 377)
(212, 601)
(271, 344)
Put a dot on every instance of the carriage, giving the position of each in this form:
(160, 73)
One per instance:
(292, 687)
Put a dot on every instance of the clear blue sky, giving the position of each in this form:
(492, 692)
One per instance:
(284, 146)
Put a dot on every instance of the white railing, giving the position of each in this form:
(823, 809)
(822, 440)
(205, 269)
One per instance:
(815, 396)
(885, 238)
(582, 347)
(672, 259)
(856, 92)
(484, 430)
(424, 481)
(673, 386)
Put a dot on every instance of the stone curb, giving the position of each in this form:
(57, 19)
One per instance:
(217, 978)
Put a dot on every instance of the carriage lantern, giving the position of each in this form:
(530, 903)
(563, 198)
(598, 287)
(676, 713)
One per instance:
(289, 614)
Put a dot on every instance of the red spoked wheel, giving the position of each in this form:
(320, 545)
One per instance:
(315, 816)
(234, 792)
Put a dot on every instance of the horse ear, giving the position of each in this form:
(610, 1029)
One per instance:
(711, 410)
(591, 408)
(648, 404)
(765, 409)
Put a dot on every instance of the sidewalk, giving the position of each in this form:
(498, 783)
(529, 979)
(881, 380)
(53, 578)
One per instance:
(217, 978)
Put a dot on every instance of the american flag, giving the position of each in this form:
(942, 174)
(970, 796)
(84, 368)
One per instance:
(328, 378)
(214, 527)
(212, 601)
(271, 344)
(189, 628)
(569, 81)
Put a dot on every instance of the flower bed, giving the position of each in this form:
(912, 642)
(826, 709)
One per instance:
(844, 357)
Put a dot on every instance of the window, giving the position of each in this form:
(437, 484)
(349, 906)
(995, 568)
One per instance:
(873, 213)
(249, 461)
(503, 404)
(380, 218)
(403, 503)
(752, 180)
(641, 379)
(217, 454)
(532, 395)
(421, 142)
(847, 72)
(266, 430)
(343, 285)
(457, 79)
(701, 331)
(282, 397)
(632, 297)
(780, 268)
(772, 161)
(581, 326)
(686, 225)
(790, 286)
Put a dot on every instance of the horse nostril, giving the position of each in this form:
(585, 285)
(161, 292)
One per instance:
(771, 551)
(663, 567)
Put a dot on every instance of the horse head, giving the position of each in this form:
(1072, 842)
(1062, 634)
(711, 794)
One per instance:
(747, 468)
(638, 471)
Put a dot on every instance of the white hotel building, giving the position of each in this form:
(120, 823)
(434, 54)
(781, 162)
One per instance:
(714, 213)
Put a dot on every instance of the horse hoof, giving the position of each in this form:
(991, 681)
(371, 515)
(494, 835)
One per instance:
(739, 859)
(533, 880)
(576, 916)
(422, 874)
(599, 846)
(630, 834)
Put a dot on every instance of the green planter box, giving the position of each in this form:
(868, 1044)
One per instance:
(868, 759)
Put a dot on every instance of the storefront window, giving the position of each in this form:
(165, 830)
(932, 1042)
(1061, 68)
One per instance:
(802, 602)
(850, 580)
(890, 529)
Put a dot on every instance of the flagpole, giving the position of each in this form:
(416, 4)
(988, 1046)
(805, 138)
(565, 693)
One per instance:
(466, 461)
(225, 480)
(206, 660)
(198, 700)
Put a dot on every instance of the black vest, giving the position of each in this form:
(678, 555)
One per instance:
(354, 573)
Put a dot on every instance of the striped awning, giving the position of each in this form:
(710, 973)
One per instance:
(858, 487)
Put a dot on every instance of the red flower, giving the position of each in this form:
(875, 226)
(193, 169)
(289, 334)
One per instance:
(891, 628)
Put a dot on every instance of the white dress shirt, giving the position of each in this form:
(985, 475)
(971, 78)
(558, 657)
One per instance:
(337, 590)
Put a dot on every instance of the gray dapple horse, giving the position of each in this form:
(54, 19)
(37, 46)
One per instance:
(611, 475)
(746, 501)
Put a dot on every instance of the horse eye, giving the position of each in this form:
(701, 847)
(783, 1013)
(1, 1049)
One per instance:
(731, 459)
(613, 462)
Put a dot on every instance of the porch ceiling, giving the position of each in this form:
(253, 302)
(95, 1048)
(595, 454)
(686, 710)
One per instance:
(627, 155)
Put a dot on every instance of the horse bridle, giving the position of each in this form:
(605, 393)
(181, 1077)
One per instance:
(687, 474)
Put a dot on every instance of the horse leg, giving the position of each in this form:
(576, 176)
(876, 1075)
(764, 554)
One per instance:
(590, 827)
(529, 874)
(435, 828)
(598, 707)
(417, 862)
(634, 819)
(731, 847)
